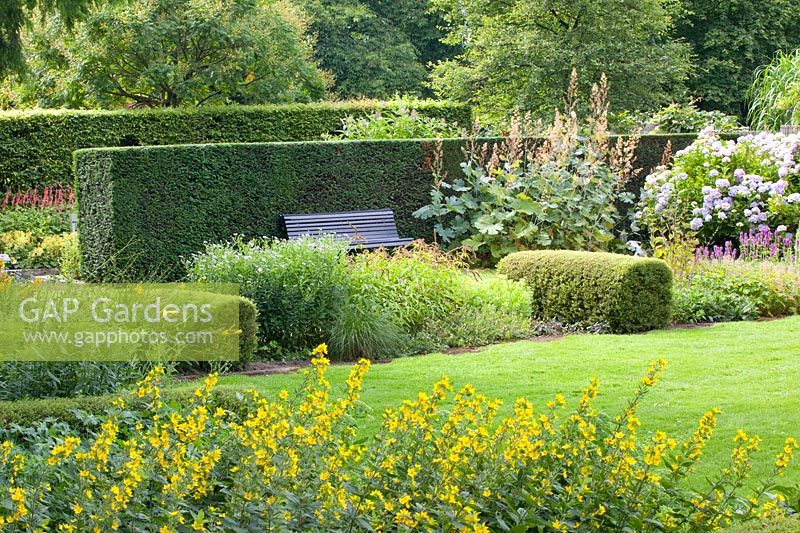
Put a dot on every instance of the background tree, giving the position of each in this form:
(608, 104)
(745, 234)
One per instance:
(168, 53)
(376, 48)
(15, 14)
(730, 40)
(518, 54)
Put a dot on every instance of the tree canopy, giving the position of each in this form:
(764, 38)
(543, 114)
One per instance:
(16, 14)
(499, 55)
(518, 54)
(376, 48)
(168, 53)
(730, 40)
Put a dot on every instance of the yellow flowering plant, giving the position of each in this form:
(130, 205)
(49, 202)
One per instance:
(5, 279)
(446, 460)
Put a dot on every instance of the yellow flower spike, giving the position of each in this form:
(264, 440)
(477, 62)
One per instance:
(320, 351)
(5, 451)
(208, 386)
(61, 452)
(786, 455)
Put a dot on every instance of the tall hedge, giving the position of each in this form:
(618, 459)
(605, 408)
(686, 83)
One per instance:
(143, 208)
(627, 293)
(36, 146)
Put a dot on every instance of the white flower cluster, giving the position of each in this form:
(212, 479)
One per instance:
(727, 179)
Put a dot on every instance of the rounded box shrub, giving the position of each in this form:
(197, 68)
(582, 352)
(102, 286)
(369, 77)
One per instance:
(627, 293)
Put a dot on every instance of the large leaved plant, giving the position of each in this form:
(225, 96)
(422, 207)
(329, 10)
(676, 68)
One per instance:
(559, 191)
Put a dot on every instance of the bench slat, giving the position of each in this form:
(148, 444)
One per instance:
(387, 244)
(367, 229)
(345, 229)
(368, 215)
(293, 223)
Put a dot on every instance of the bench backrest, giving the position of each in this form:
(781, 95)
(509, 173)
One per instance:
(359, 226)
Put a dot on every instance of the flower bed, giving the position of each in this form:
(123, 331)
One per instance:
(372, 304)
(760, 278)
(34, 227)
(294, 462)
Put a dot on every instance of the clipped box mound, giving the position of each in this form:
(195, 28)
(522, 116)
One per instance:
(630, 294)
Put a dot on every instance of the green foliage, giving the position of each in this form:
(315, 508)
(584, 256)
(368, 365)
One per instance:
(296, 285)
(687, 118)
(492, 311)
(36, 147)
(376, 48)
(248, 326)
(69, 264)
(561, 193)
(729, 40)
(403, 123)
(19, 380)
(35, 226)
(518, 54)
(723, 291)
(167, 201)
(417, 288)
(627, 293)
(39, 221)
(434, 303)
(171, 53)
(18, 13)
(712, 298)
(72, 410)
(374, 304)
(775, 93)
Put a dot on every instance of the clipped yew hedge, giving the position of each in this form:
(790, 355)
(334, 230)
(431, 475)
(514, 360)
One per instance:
(629, 294)
(36, 146)
(143, 208)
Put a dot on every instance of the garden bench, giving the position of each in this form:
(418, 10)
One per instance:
(364, 229)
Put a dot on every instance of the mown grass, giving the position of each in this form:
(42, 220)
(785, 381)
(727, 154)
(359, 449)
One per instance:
(750, 371)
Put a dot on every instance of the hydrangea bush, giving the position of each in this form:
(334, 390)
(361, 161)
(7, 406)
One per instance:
(719, 188)
(444, 461)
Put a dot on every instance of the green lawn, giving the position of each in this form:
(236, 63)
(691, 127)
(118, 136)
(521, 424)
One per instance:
(749, 370)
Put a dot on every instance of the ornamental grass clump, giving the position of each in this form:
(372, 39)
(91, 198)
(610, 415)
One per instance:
(775, 94)
(444, 460)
